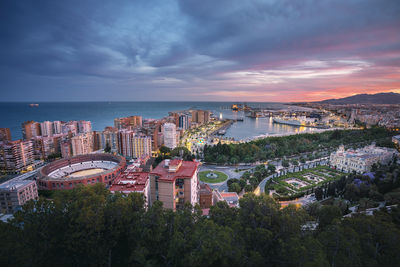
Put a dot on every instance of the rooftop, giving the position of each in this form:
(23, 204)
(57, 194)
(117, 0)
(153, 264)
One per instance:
(14, 184)
(171, 170)
(231, 198)
(130, 180)
(205, 189)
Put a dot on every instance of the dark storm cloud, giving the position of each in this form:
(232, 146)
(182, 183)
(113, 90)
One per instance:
(188, 49)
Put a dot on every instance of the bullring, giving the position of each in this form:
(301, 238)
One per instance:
(80, 170)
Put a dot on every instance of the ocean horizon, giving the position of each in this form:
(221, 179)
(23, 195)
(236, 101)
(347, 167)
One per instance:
(102, 114)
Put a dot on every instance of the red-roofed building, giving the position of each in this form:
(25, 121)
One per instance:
(132, 180)
(231, 198)
(175, 182)
(206, 196)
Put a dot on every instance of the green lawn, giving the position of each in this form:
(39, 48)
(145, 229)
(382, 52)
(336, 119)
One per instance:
(221, 177)
(279, 181)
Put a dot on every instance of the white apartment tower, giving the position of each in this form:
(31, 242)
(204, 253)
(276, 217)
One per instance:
(169, 130)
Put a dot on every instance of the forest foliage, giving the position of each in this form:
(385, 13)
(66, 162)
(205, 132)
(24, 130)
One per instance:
(283, 146)
(89, 226)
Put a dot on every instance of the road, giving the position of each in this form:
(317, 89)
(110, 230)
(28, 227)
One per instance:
(230, 171)
(261, 187)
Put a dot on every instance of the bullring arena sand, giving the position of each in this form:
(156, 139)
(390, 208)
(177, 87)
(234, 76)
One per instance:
(86, 172)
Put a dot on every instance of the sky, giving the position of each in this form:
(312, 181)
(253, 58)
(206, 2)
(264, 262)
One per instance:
(191, 50)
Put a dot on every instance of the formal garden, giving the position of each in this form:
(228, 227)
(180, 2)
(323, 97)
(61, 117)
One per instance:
(212, 177)
(296, 183)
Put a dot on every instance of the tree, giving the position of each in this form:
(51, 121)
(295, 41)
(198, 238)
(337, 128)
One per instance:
(318, 193)
(242, 183)
(182, 152)
(248, 188)
(107, 149)
(53, 156)
(235, 187)
(326, 215)
(285, 163)
(165, 150)
(246, 175)
(271, 168)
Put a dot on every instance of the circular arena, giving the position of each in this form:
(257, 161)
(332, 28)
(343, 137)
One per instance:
(83, 169)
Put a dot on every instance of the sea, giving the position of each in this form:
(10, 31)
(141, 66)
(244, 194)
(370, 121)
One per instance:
(102, 114)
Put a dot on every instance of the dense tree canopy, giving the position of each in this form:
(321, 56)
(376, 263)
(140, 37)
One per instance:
(89, 226)
(278, 147)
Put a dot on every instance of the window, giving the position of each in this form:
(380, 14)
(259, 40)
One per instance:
(156, 185)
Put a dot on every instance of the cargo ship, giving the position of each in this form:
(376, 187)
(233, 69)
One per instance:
(287, 122)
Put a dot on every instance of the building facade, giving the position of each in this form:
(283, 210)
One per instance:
(110, 136)
(133, 180)
(184, 122)
(46, 128)
(128, 122)
(16, 155)
(132, 146)
(175, 182)
(169, 131)
(15, 193)
(361, 160)
(200, 116)
(30, 129)
(82, 144)
(206, 196)
(5, 134)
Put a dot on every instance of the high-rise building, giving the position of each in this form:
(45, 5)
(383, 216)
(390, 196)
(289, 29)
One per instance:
(16, 155)
(5, 134)
(30, 129)
(152, 128)
(70, 127)
(175, 182)
(169, 131)
(46, 128)
(110, 136)
(43, 146)
(66, 149)
(82, 144)
(84, 126)
(57, 127)
(200, 116)
(128, 122)
(184, 122)
(132, 146)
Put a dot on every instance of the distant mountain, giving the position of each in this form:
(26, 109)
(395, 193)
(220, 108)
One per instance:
(381, 98)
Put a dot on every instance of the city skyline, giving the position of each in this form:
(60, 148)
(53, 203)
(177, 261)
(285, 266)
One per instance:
(272, 51)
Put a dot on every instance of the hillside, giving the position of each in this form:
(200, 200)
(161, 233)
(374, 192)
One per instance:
(381, 98)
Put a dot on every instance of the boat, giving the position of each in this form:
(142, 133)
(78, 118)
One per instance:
(287, 121)
(33, 105)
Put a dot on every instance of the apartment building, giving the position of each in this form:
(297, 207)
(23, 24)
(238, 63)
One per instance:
(15, 193)
(175, 182)
(16, 155)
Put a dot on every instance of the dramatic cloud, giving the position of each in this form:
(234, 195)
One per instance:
(262, 50)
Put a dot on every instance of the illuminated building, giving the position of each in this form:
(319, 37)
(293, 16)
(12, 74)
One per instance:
(175, 182)
(16, 155)
(169, 131)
